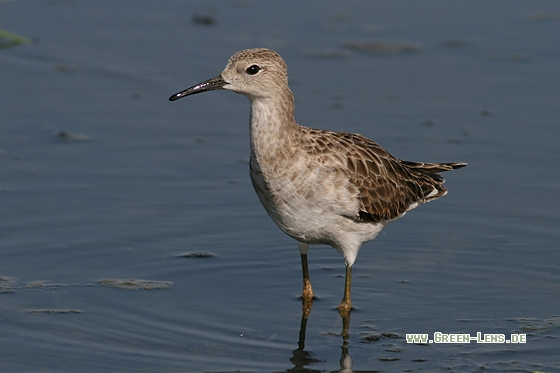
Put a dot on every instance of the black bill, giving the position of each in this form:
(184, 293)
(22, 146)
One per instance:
(208, 85)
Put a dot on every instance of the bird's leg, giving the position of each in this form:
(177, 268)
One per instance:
(307, 293)
(346, 304)
(345, 334)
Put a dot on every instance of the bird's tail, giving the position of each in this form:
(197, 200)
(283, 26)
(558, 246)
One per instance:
(430, 168)
(432, 185)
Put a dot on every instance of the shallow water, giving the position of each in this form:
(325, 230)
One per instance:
(102, 179)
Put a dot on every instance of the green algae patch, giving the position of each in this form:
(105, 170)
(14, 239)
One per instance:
(9, 39)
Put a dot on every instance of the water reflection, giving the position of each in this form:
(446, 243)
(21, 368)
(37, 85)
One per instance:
(302, 358)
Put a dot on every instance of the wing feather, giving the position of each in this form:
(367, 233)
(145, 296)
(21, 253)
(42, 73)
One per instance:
(387, 186)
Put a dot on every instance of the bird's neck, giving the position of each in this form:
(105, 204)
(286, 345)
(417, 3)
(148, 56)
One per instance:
(273, 127)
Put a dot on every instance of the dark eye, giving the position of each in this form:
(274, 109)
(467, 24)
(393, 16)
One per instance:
(253, 69)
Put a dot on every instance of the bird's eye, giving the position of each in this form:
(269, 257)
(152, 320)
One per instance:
(253, 69)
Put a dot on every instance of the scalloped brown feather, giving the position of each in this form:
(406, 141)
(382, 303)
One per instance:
(388, 186)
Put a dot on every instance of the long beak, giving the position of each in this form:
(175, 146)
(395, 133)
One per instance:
(208, 85)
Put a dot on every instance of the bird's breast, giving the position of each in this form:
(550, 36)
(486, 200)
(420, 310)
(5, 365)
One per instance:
(304, 198)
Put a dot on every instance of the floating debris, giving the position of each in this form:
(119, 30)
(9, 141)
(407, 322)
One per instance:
(371, 338)
(7, 284)
(537, 325)
(390, 335)
(42, 284)
(73, 137)
(374, 337)
(135, 284)
(196, 254)
(42, 312)
(383, 48)
(203, 20)
(428, 123)
(9, 39)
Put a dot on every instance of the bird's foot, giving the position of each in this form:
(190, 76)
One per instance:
(307, 293)
(344, 307)
(306, 306)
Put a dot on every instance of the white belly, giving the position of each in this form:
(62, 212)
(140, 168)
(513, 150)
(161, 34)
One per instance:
(313, 204)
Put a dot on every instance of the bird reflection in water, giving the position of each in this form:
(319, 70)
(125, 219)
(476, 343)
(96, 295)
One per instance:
(302, 359)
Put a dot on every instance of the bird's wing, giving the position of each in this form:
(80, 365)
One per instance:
(387, 186)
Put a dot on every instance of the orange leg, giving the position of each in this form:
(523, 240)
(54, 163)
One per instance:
(346, 304)
(307, 293)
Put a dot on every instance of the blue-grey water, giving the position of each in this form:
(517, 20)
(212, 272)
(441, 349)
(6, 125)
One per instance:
(102, 178)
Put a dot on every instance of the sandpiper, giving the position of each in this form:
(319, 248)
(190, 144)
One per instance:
(319, 187)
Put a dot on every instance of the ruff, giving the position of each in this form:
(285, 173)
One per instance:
(319, 187)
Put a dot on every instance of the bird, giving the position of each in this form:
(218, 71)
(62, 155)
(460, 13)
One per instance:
(319, 187)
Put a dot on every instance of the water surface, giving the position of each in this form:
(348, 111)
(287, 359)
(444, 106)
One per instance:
(101, 178)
